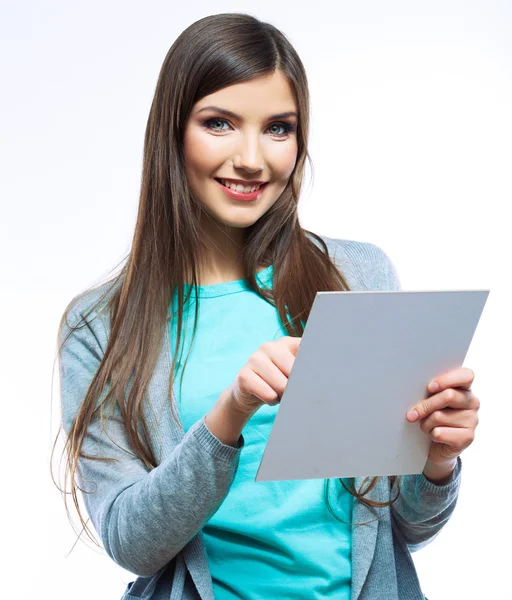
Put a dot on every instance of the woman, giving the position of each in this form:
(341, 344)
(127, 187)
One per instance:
(167, 476)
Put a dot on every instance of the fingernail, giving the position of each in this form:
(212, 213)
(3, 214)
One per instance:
(433, 386)
(412, 415)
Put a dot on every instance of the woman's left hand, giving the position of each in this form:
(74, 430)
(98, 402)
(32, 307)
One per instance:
(449, 415)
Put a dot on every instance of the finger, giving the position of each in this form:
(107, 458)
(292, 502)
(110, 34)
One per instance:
(449, 417)
(457, 438)
(254, 385)
(283, 357)
(462, 377)
(263, 366)
(450, 398)
(292, 343)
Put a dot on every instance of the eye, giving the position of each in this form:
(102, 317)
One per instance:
(210, 122)
(288, 127)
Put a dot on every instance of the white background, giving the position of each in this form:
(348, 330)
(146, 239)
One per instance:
(411, 143)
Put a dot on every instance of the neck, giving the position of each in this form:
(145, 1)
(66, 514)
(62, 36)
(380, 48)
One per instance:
(220, 257)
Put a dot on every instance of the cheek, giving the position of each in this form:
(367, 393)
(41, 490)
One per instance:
(283, 154)
(285, 160)
(199, 153)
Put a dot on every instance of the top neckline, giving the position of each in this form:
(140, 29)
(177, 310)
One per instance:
(264, 278)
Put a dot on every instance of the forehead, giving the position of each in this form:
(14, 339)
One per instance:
(255, 98)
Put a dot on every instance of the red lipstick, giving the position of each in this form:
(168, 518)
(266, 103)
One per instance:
(240, 195)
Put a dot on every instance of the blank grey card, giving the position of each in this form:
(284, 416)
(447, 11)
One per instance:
(364, 360)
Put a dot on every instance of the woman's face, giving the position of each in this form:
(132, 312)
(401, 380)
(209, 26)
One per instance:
(250, 145)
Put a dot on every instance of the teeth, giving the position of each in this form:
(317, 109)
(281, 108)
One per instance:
(239, 187)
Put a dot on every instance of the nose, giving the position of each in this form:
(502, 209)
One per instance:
(249, 156)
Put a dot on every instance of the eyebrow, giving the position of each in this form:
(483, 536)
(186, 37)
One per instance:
(229, 113)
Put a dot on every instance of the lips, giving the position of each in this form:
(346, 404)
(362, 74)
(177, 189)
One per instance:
(241, 195)
(242, 183)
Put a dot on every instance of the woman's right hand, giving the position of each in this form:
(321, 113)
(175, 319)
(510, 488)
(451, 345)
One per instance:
(263, 378)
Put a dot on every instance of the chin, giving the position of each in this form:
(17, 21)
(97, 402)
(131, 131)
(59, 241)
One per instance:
(239, 221)
(239, 224)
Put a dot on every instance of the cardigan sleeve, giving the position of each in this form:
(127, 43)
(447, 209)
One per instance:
(143, 516)
(423, 507)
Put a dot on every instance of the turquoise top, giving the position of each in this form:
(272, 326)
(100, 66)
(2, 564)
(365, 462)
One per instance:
(268, 539)
(151, 521)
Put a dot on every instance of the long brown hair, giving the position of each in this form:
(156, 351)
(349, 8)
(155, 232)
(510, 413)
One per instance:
(212, 53)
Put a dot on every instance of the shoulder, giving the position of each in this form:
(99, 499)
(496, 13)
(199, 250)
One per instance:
(365, 264)
(87, 309)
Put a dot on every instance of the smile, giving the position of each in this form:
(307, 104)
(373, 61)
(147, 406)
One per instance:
(238, 187)
(234, 193)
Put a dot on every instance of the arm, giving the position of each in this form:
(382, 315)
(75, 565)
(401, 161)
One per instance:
(423, 507)
(143, 517)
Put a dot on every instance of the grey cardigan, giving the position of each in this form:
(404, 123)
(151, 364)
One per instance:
(150, 521)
